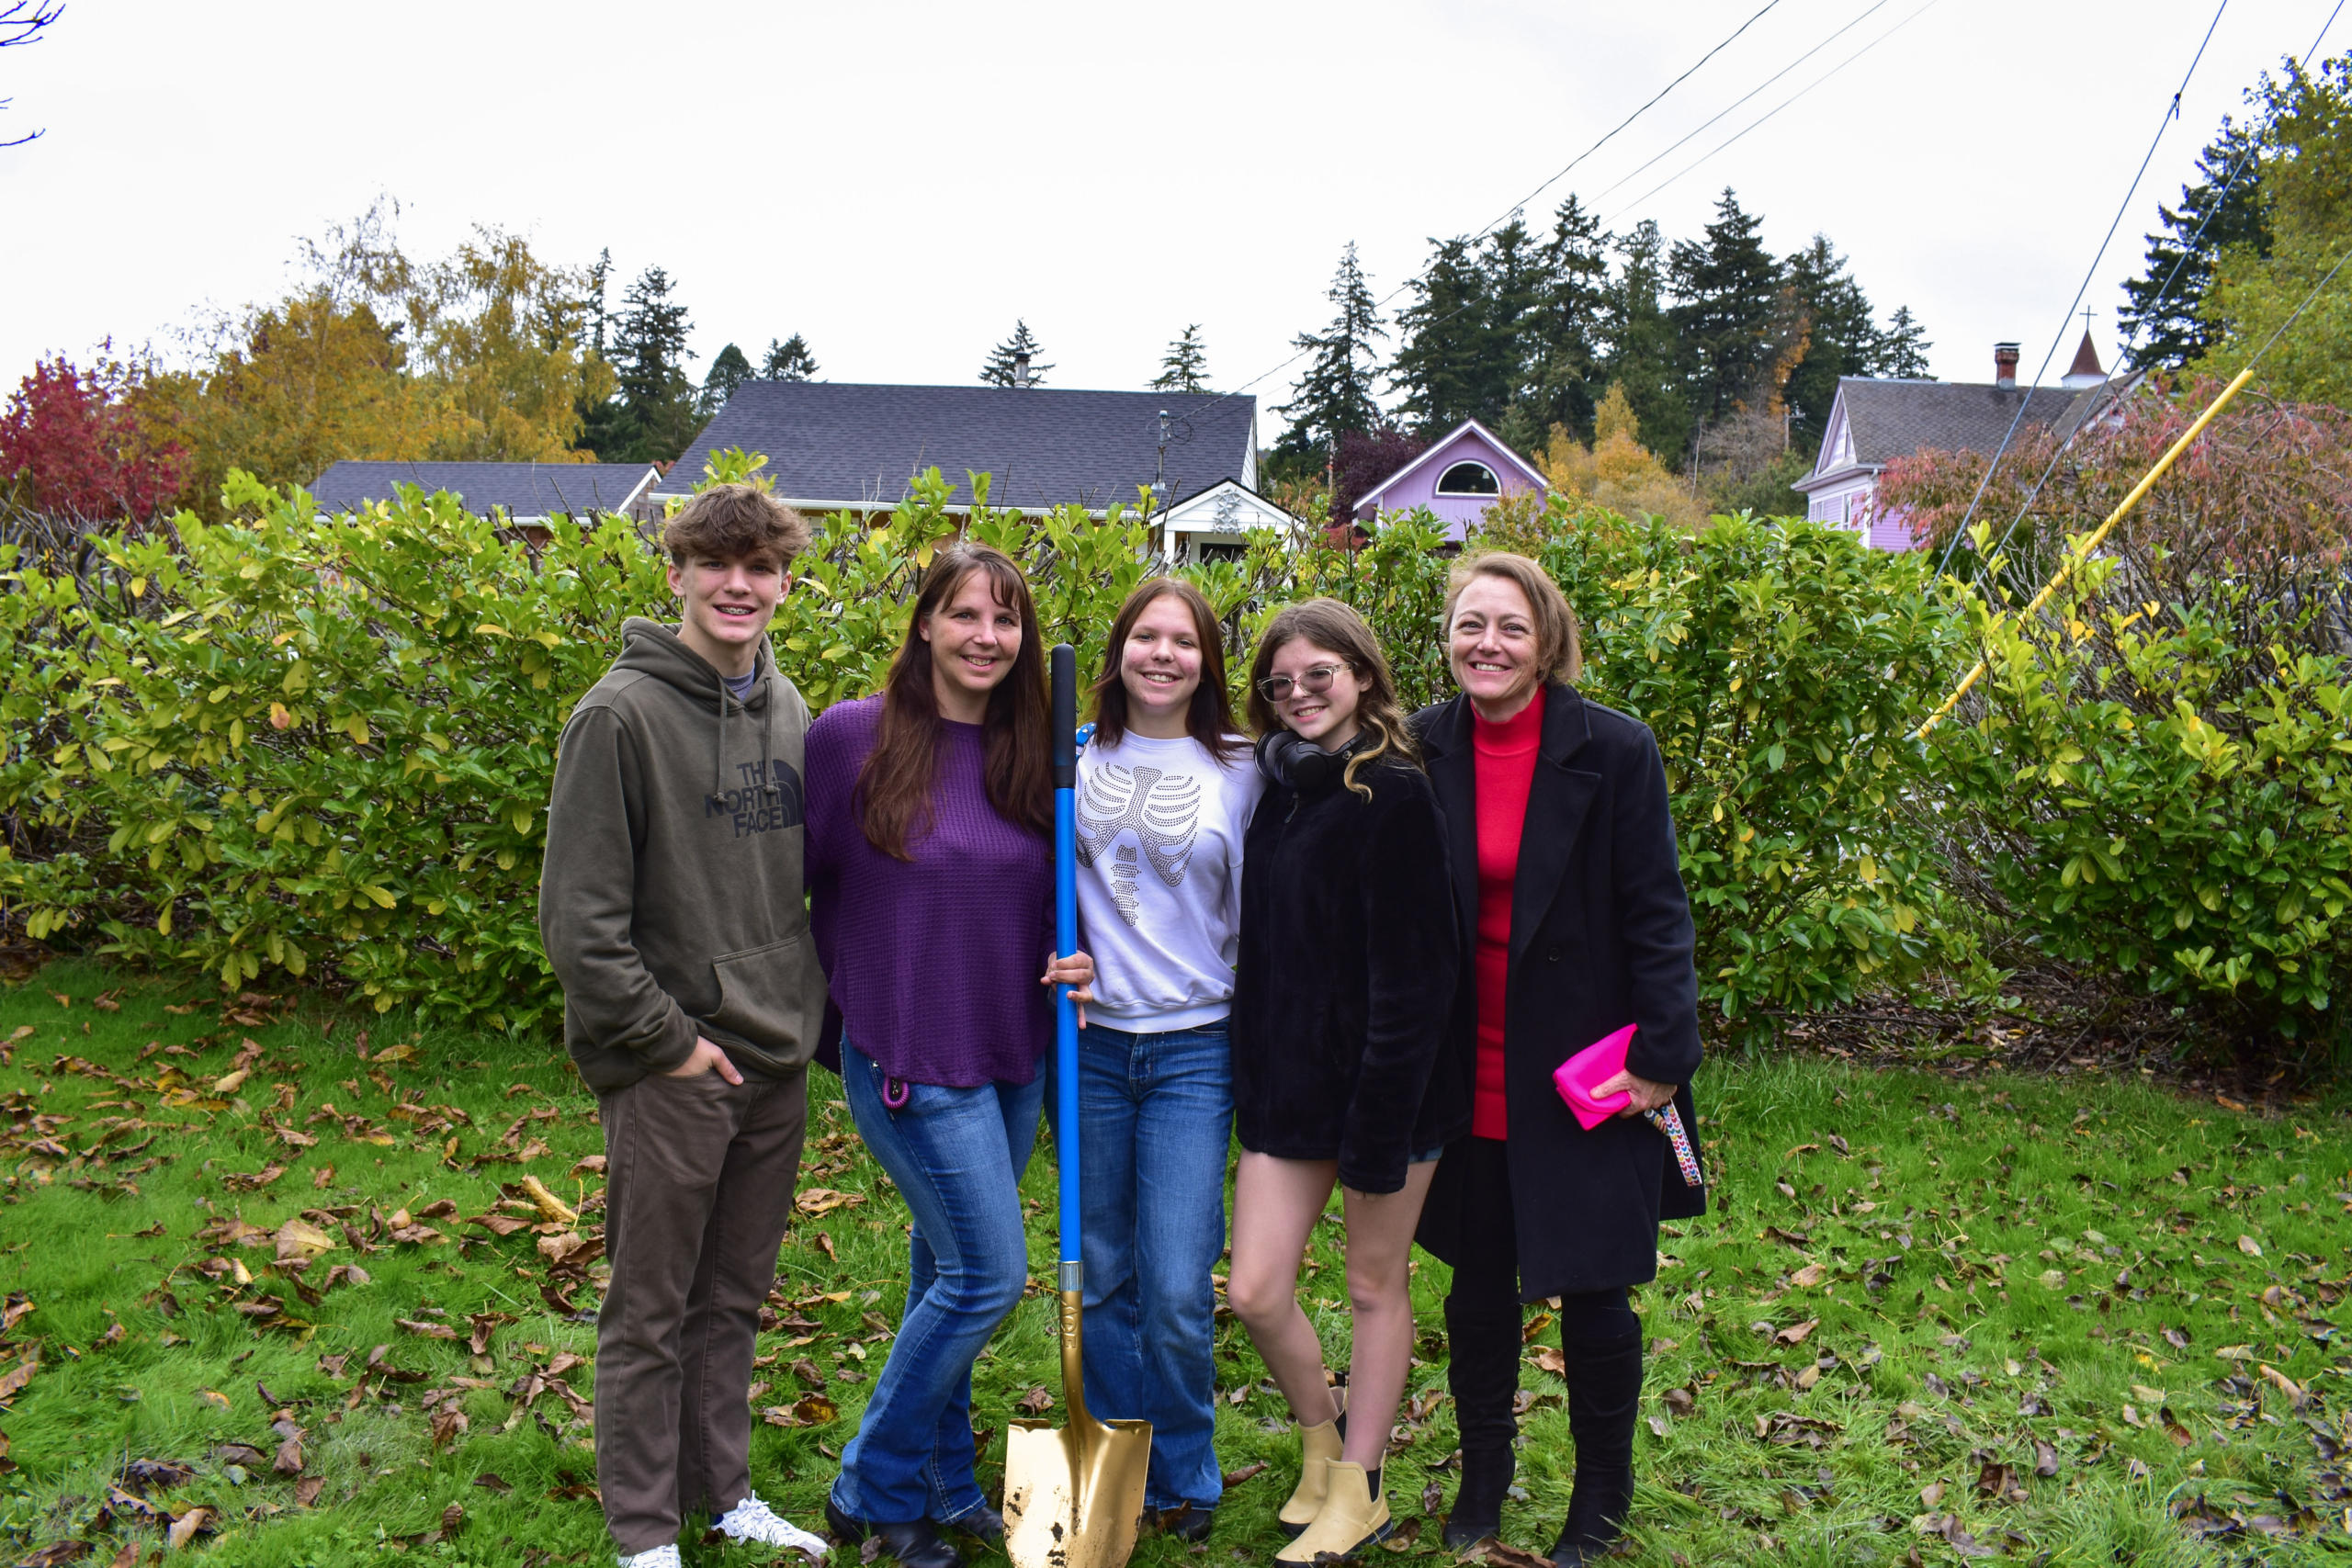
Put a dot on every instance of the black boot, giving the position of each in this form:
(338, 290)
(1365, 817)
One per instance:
(916, 1543)
(1484, 1375)
(1604, 1396)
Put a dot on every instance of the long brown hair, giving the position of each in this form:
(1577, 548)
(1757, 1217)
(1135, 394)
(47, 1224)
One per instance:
(1210, 718)
(897, 788)
(1336, 628)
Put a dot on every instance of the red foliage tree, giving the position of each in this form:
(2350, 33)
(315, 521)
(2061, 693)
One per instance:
(74, 439)
(1364, 459)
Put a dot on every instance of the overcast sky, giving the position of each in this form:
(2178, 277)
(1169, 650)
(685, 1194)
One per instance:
(900, 182)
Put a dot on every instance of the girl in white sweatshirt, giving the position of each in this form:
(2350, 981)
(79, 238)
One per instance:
(1166, 786)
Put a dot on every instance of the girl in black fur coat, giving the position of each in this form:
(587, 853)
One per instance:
(1344, 985)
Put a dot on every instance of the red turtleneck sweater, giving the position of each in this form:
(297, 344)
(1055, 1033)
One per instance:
(1505, 757)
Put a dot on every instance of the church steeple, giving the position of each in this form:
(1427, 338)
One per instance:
(2085, 371)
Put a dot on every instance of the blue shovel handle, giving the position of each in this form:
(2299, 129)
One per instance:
(1065, 724)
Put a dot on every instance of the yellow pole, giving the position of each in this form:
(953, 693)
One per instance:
(2080, 553)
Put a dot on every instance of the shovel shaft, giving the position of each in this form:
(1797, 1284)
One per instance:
(1065, 717)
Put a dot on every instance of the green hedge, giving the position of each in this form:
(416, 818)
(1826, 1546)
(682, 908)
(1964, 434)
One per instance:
(2155, 781)
(312, 744)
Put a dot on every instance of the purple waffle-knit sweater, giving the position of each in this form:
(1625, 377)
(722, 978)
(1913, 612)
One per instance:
(933, 963)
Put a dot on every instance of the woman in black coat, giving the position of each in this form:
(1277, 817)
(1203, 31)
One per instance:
(1343, 989)
(1574, 920)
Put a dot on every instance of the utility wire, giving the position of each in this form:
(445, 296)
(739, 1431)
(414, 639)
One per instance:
(1770, 113)
(2172, 112)
(2244, 160)
(1519, 204)
(1630, 118)
(1792, 65)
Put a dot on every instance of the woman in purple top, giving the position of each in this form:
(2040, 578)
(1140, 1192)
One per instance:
(930, 863)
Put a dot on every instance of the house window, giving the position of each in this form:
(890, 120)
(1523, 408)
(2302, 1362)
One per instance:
(1469, 479)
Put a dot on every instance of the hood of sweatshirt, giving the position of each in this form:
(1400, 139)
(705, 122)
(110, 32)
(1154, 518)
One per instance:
(648, 647)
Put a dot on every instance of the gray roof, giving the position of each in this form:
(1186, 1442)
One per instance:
(1894, 419)
(853, 445)
(519, 489)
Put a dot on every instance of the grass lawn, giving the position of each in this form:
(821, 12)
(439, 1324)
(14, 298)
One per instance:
(2059, 1320)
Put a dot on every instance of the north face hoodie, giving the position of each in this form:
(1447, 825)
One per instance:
(670, 904)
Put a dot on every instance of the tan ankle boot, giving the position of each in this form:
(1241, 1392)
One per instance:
(1317, 1446)
(1351, 1517)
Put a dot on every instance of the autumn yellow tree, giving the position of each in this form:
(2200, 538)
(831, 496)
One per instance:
(1617, 471)
(478, 357)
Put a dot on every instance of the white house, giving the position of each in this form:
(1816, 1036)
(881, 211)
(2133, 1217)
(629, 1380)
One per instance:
(1214, 524)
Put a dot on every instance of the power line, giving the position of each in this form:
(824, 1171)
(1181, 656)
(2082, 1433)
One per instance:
(2172, 112)
(2244, 160)
(1629, 120)
(1770, 113)
(1521, 204)
(1877, 6)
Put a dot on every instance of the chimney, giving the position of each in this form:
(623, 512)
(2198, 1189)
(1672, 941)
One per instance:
(1020, 368)
(2005, 365)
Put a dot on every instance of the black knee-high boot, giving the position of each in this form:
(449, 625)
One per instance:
(1604, 1396)
(1483, 1338)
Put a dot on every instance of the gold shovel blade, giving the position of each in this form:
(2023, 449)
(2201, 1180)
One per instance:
(1073, 1494)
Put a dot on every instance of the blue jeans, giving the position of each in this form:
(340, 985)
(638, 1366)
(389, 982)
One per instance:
(957, 1155)
(1154, 1118)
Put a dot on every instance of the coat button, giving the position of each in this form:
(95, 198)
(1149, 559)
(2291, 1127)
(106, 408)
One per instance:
(1553, 956)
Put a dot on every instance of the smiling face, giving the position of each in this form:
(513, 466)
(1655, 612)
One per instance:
(1493, 648)
(1327, 717)
(973, 640)
(1161, 669)
(724, 607)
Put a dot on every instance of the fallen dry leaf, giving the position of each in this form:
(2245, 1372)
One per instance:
(1037, 1401)
(1796, 1333)
(300, 1238)
(1807, 1276)
(307, 1489)
(429, 1330)
(2250, 1246)
(814, 1200)
(183, 1529)
(553, 1207)
(230, 1083)
(1548, 1357)
(13, 1381)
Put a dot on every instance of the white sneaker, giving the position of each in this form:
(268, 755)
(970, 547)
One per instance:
(752, 1519)
(654, 1557)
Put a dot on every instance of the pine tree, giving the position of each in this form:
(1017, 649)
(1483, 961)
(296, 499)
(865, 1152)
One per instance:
(1842, 338)
(603, 423)
(999, 371)
(790, 360)
(657, 402)
(2165, 308)
(1334, 394)
(1727, 295)
(1185, 367)
(1640, 341)
(1901, 348)
(1561, 349)
(1462, 356)
(728, 371)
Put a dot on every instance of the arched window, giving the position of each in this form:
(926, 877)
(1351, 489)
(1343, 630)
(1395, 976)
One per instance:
(1469, 479)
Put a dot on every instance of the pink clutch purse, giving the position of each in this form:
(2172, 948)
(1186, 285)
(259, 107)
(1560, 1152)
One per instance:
(1595, 1065)
(1577, 1077)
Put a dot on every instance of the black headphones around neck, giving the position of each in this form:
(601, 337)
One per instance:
(1293, 762)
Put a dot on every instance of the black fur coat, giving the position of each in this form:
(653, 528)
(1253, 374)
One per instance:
(1345, 981)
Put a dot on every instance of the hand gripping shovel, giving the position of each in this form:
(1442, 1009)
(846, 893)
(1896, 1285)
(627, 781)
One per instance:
(1073, 1497)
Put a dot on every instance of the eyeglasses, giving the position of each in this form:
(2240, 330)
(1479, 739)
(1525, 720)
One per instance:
(1313, 682)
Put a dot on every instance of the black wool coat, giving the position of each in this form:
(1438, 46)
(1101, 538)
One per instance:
(1345, 980)
(1600, 937)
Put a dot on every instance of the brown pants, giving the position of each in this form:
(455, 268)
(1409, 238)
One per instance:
(698, 1191)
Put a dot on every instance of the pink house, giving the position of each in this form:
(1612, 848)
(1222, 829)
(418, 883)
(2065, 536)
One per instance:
(1458, 477)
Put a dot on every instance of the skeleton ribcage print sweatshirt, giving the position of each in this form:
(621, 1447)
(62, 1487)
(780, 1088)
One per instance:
(1159, 829)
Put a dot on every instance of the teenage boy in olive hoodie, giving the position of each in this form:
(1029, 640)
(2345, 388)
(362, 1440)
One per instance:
(670, 909)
